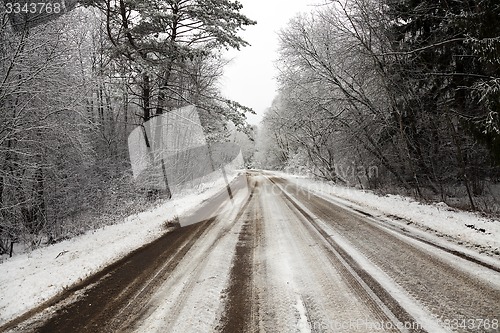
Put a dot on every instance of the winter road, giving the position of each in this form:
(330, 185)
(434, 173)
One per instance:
(278, 258)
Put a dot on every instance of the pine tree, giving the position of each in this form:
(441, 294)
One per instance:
(448, 53)
(158, 37)
(451, 49)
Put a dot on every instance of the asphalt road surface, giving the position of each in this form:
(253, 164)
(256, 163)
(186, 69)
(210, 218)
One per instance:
(277, 258)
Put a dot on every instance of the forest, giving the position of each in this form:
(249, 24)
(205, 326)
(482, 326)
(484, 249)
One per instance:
(396, 96)
(72, 89)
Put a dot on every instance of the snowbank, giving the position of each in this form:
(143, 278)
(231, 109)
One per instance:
(29, 279)
(462, 227)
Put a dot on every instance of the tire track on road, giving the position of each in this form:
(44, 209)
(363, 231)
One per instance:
(445, 290)
(117, 284)
(367, 287)
(281, 280)
(194, 288)
(115, 298)
(241, 305)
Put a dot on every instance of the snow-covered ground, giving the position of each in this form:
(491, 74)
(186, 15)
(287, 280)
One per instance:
(32, 278)
(29, 279)
(462, 227)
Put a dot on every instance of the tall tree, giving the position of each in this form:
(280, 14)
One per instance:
(410, 87)
(160, 36)
(449, 53)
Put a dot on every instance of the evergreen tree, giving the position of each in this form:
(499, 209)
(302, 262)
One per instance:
(451, 52)
(159, 37)
(448, 63)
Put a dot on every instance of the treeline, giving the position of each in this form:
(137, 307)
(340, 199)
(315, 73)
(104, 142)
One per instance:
(71, 91)
(382, 93)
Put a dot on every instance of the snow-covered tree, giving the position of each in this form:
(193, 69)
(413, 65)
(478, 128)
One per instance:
(161, 38)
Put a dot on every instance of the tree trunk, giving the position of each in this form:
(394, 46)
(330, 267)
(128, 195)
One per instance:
(461, 161)
(146, 97)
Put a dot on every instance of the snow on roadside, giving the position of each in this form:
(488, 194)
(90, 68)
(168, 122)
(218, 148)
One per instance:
(29, 279)
(463, 227)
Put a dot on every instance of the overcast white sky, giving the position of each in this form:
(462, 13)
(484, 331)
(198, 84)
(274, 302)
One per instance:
(249, 78)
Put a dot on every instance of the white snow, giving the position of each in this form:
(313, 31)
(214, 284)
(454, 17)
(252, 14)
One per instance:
(423, 318)
(301, 289)
(198, 281)
(435, 218)
(29, 279)
(302, 325)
